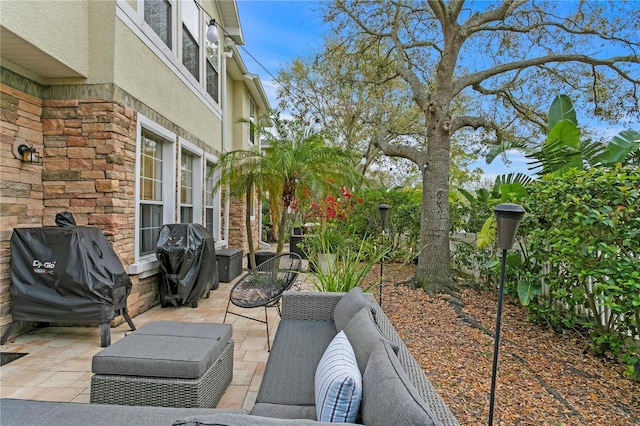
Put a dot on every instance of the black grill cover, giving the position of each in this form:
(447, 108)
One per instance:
(187, 255)
(65, 274)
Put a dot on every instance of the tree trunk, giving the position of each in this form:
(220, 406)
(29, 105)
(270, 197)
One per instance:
(434, 264)
(281, 229)
(247, 222)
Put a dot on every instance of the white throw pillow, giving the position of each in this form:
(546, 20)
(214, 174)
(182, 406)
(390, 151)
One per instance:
(338, 382)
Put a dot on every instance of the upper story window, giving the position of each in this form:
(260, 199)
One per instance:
(212, 69)
(252, 120)
(191, 37)
(175, 30)
(157, 13)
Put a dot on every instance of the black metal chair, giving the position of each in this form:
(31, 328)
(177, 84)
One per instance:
(264, 285)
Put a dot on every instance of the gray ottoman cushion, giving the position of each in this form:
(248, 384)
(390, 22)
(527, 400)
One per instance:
(348, 306)
(187, 329)
(165, 349)
(363, 334)
(291, 367)
(388, 396)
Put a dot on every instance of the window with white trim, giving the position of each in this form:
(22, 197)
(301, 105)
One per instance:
(252, 120)
(151, 190)
(157, 13)
(155, 194)
(212, 203)
(186, 187)
(175, 30)
(212, 67)
(191, 183)
(191, 37)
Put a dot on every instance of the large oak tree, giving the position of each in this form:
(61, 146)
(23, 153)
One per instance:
(506, 59)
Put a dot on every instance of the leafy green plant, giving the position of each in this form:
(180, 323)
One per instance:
(585, 224)
(349, 271)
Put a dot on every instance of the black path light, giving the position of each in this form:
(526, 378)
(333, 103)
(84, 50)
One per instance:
(383, 208)
(508, 217)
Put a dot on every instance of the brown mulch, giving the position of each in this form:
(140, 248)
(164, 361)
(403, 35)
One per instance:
(544, 378)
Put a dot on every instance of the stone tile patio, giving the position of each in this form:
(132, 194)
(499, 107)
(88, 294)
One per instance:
(58, 364)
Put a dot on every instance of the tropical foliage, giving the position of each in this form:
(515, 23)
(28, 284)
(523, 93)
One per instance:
(293, 156)
(583, 235)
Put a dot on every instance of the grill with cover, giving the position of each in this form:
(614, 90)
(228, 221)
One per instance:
(187, 257)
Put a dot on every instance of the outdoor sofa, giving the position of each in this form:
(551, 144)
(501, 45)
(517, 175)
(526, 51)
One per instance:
(394, 389)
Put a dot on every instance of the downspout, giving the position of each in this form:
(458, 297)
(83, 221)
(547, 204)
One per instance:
(225, 136)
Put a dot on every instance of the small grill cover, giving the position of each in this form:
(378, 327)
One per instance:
(65, 274)
(186, 252)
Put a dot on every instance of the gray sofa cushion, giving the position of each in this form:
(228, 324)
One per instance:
(291, 367)
(363, 334)
(284, 411)
(165, 349)
(388, 396)
(244, 420)
(14, 412)
(348, 306)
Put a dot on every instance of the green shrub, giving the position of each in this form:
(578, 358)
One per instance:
(585, 224)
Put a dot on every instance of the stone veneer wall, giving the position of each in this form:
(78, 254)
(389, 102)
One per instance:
(90, 146)
(238, 228)
(20, 183)
(86, 136)
(87, 167)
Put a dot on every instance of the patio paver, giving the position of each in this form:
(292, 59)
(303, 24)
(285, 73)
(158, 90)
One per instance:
(58, 364)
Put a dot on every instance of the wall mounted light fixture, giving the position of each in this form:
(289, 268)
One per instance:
(25, 151)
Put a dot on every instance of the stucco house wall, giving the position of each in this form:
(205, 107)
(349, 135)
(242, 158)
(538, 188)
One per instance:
(84, 94)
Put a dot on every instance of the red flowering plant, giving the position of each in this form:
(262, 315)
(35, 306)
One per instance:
(331, 217)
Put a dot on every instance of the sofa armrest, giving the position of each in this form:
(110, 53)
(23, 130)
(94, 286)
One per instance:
(309, 305)
(414, 371)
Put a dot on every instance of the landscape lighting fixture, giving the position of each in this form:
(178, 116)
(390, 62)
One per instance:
(382, 208)
(508, 217)
(317, 126)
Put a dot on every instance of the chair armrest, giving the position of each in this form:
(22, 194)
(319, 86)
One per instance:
(309, 305)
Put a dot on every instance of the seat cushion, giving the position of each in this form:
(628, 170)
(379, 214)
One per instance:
(338, 382)
(363, 334)
(291, 367)
(388, 396)
(348, 306)
(203, 330)
(165, 349)
(284, 411)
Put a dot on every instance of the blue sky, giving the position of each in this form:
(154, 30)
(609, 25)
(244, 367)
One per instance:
(277, 31)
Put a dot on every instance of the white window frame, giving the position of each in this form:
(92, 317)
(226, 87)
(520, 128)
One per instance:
(172, 58)
(148, 264)
(198, 180)
(216, 206)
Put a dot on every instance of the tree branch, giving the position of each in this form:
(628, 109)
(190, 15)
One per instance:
(403, 151)
(478, 77)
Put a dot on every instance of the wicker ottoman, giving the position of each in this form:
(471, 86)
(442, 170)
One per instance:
(168, 364)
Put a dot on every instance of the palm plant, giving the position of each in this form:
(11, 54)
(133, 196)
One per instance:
(293, 156)
(298, 157)
(242, 173)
